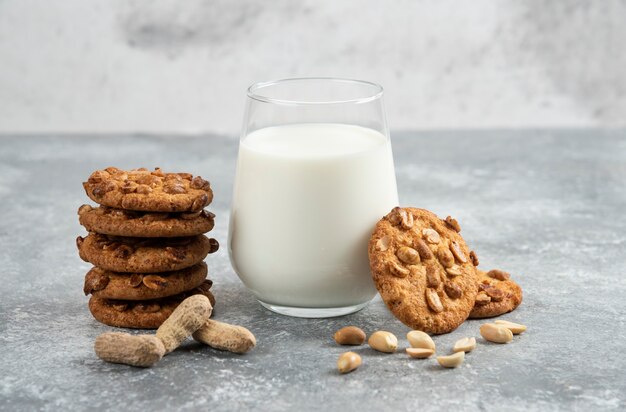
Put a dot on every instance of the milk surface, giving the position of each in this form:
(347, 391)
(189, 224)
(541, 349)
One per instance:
(306, 199)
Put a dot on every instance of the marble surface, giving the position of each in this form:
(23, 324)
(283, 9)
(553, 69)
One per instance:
(547, 206)
(163, 66)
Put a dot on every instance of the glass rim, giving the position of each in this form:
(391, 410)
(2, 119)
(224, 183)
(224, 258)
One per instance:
(253, 91)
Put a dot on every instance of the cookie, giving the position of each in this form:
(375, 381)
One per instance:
(149, 314)
(497, 294)
(121, 222)
(140, 189)
(422, 269)
(142, 286)
(144, 255)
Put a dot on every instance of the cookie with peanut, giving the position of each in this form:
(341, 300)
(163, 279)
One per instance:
(119, 222)
(106, 284)
(151, 191)
(423, 269)
(497, 294)
(144, 255)
(144, 314)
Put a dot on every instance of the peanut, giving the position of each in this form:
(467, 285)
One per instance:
(348, 362)
(408, 255)
(451, 361)
(383, 243)
(496, 333)
(465, 345)
(223, 336)
(187, 318)
(431, 236)
(134, 350)
(433, 300)
(453, 223)
(350, 335)
(498, 274)
(515, 328)
(383, 341)
(419, 339)
(397, 270)
(454, 271)
(420, 353)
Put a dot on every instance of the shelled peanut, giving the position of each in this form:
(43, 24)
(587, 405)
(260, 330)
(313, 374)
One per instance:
(421, 344)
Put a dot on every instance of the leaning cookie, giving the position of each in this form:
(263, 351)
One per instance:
(497, 294)
(423, 269)
(131, 254)
(156, 191)
(142, 286)
(121, 222)
(148, 314)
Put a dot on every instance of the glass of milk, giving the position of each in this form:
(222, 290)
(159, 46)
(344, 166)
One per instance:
(314, 174)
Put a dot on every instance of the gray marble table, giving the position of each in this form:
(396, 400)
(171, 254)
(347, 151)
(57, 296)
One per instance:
(546, 205)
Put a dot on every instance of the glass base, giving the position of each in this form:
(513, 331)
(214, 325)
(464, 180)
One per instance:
(313, 312)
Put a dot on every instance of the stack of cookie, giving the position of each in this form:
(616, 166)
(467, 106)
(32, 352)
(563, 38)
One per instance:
(146, 242)
(428, 277)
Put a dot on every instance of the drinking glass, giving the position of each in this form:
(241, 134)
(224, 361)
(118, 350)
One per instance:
(314, 174)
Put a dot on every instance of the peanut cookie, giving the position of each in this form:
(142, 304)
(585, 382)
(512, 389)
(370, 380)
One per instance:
(121, 222)
(497, 294)
(140, 189)
(422, 268)
(144, 255)
(142, 286)
(147, 314)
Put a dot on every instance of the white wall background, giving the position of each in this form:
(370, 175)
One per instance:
(183, 65)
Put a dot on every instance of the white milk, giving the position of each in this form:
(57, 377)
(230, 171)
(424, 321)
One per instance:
(306, 199)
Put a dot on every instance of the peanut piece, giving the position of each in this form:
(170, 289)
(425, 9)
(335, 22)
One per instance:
(403, 217)
(453, 290)
(482, 299)
(499, 274)
(423, 249)
(446, 258)
(454, 271)
(474, 258)
(432, 276)
(135, 280)
(453, 223)
(134, 350)
(348, 362)
(399, 216)
(451, 361)
(421, 340)
(431, 236)
(223, 336)
(465, 345)
(350, 335)
(84, 209)
(408, 255)
(154, 282)
(420, 353)
(383, 243)
(187, 318)
(496, 333)
(214, 245)
(199, 183)
(458, 253)
(398, 270)
(515, 328)
(433, 301)
(494, 293)
(383, 341)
